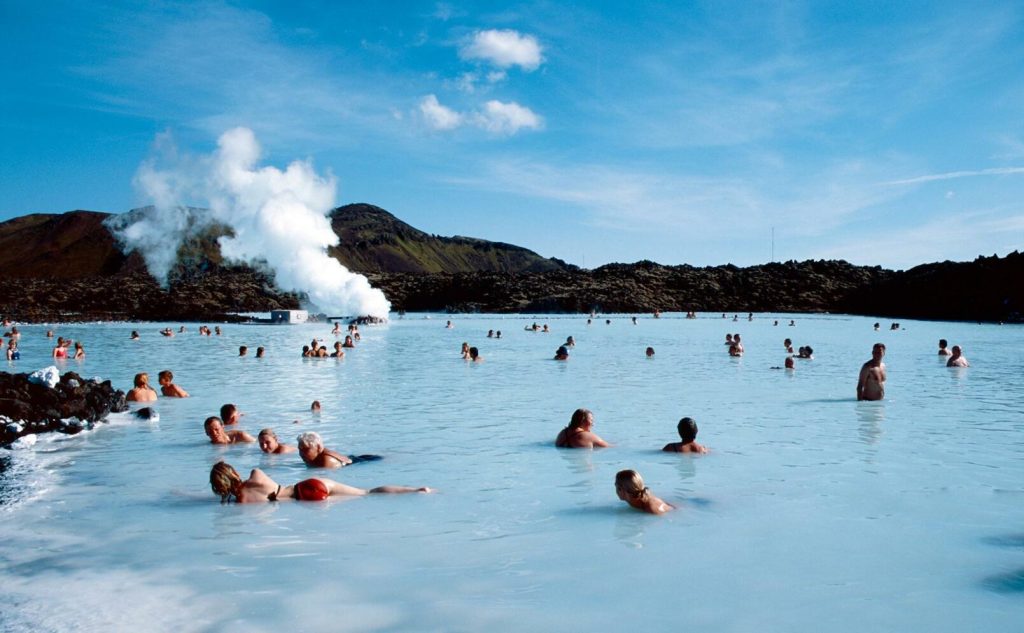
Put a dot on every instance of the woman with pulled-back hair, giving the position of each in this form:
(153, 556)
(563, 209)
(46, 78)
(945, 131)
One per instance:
(227, 483)
(629, 486)
(579, 434)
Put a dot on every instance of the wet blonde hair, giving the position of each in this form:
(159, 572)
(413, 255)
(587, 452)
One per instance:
(142, 380)
(579, 418)
(269, 432)
(632, 484)
(223, 480)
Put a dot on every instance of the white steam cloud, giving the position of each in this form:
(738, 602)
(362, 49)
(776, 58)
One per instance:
(279, 218)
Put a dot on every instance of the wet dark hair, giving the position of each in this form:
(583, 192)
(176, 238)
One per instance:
(943, 342)
(226, 411)
(687, 428)
(473, 352)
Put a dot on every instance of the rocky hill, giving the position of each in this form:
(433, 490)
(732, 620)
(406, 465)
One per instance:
(79, 244)
(68, 267)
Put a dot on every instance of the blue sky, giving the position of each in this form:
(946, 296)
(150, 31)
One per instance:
(885, 133)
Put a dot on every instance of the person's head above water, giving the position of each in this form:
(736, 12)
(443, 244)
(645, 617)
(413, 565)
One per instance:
(229, 414)
(474, 353)
(581, 418)
(310, 445)
(687, 428)
(943, 343)
(268, 441)
(649, 352)
(142, 380)
(225, 481)
(630, 485)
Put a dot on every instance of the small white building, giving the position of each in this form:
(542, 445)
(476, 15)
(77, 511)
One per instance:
(288, 316)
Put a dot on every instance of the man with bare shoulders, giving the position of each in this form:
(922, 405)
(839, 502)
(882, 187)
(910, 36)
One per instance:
(579, 433)
(942, 347)
(871, 382)
(167, 386)
(315, 455)
(687, 428)
(215, 431)
(957, 359)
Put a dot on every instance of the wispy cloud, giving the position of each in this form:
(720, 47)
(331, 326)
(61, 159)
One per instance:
(504, 49)
(952, 175)
(954, 237)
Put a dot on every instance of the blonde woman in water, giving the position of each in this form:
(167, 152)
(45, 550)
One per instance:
(629, 486)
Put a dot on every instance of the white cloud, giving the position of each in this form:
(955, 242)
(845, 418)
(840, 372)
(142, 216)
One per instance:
(438, 116)
(504, 49)
(496, 76)
(507, 118)
(496, 116)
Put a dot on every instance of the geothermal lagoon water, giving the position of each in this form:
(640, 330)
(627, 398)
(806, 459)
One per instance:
(812, 511)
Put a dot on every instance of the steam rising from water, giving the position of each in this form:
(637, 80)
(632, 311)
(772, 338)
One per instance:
(279, 218)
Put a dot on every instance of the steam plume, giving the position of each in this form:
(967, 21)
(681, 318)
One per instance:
(278, 218)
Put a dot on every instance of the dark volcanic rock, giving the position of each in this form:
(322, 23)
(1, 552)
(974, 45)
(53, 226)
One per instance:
(71, 406)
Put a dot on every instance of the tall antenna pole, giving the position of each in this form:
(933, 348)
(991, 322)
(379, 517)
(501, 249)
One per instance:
(773, 244)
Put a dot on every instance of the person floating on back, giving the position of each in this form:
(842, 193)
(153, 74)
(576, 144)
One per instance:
(687, 428)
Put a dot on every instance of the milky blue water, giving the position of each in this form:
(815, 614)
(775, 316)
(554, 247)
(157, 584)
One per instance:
(811, 512)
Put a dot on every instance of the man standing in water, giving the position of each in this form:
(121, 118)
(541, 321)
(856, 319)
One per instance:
(957, 359)
(871, 383)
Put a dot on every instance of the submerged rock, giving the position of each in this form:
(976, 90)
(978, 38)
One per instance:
(71, 405)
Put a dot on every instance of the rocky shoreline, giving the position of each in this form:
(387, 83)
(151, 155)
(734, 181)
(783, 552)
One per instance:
(67, 404)
(987, 289)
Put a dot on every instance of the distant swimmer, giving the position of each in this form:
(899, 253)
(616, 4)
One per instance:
(728, 340)
(497, 334)
(465, 351)
(260, 352)
(877, 325)
(315, 455)
(449, 325)
(687, 429)
(216, 330)
(736, 349)
(545, 329)
(259, 488)
(562, 353)
(59, 351)
(338, 352)
(230, 414)
(12, 351)
(474, 355)
(243, 350)
(167, 386)
(490, 333)
(942, 347)
(650, 352)
(579, 433)
(270, 445)
(570, 342)
(142, 391)
(792, 323)
(871, 383)
(634, 320)
(79, 351)
(214, 428)
(348, 342)
(167, 331)
(629, 486)
(957, 359)
(806, 352)
(337, 328)
(788, 344)
(134, 336)
(315, 407)
(790, 364)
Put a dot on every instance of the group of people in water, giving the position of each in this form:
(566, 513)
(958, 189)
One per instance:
(629, 484)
